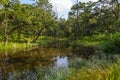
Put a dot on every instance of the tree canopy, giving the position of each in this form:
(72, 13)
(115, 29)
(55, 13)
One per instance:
(19, 22)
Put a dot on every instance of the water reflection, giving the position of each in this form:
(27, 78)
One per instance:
(62, 61)
(27, 61)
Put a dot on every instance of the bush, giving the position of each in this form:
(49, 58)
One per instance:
(112, 45)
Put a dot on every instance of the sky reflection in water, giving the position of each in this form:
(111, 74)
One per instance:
(62, 61)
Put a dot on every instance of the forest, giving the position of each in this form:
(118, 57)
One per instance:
(32, 33)
(21, 22)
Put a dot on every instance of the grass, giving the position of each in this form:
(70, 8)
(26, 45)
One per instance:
(105, 68)
(52, 73)
(14, 46)
(97, 73)
(41, 73)
(97, 39)
(95, 69)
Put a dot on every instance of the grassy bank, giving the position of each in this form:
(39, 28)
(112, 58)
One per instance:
(82, 70)
(100, 69)
(14, 46)
(106, 72)
(102, 66)
(78, 69)
(111, 73)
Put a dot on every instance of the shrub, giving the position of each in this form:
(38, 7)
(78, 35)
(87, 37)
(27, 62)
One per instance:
(112, 45)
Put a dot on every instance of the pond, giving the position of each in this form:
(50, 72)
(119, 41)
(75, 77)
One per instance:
(27, 62)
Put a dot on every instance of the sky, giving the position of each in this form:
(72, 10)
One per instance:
(61, 7)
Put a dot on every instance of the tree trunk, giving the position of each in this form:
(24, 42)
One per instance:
(77, 23)
(19, 32)
(37, 35)
(5, 30)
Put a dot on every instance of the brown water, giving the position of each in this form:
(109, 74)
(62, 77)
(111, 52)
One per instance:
(28, 60)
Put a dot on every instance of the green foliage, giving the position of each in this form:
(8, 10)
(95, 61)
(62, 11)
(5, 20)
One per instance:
(33, 21)
(112, 72)
(112, 45)
(94, 69)
(14, 47)
(30, 21)
(78, 63)
(27, 22)
(52, 73)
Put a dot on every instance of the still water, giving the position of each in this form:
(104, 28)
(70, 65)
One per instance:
(28, 61)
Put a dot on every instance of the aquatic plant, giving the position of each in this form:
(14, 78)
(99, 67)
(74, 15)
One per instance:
(52, 73)
(97, 73)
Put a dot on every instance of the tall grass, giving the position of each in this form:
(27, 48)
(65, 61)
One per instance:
(78, 69)
(100, 67)
(14, 46)
(42, 73)
(97, 73)
(53, 73)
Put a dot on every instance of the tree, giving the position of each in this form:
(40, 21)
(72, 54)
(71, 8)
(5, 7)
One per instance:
(85, 20)
(43, 17)
(5, 6)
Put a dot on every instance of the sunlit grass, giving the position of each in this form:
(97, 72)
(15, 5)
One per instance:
(96, 70)
(14, 46)
(98, 73)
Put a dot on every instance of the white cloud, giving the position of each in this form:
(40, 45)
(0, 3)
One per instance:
(62, 6)
(85, 0)
(94, 0)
